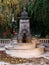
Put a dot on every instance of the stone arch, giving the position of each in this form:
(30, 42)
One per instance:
(24, 31)
(24, 35)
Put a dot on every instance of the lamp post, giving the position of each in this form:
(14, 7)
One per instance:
(13, 7)
(13, 25)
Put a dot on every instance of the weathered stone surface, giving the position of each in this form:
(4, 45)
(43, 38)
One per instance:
(24, 27)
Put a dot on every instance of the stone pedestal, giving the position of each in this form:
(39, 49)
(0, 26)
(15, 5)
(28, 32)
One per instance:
(24, 28)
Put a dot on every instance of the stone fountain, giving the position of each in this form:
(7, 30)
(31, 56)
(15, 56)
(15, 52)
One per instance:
(24, 46)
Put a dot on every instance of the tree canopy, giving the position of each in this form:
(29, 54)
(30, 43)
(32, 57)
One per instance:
(38, 11)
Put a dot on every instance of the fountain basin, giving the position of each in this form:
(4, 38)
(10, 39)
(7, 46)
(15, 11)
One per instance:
(24, 50)
(21, 46)
(25, 53)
